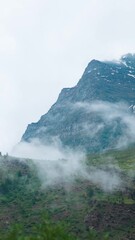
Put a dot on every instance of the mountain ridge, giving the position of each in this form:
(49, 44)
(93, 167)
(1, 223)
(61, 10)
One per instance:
(102, 81)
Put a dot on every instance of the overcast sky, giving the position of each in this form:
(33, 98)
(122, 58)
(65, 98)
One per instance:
(45, 45)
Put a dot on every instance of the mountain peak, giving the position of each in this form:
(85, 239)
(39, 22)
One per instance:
(105, 82)
(128, 59)
(128, 56)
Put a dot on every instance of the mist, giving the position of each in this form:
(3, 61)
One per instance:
(110, 114)
(58, 165)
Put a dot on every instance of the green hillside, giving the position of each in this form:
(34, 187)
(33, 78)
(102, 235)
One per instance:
(79, 210)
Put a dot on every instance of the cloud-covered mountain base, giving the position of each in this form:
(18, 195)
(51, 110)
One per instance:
(57, 165)
(108, 124)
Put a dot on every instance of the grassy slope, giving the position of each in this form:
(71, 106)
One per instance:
(79, 206)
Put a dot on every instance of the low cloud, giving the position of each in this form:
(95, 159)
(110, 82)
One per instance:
(113, 115)
(59, 165)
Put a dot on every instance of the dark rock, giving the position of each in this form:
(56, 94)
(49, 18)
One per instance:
(104, 82)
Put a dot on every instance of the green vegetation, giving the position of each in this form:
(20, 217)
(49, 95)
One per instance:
(42, 231)
(81, 210)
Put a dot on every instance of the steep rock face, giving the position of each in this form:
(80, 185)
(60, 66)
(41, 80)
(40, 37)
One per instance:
(80, 117)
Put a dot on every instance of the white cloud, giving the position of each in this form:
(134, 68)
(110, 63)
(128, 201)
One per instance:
(57, 164)
(110, 113)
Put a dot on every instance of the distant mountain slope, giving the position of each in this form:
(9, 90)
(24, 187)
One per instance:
(95, 113)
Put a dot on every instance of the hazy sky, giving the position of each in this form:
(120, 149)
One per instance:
(45, 46)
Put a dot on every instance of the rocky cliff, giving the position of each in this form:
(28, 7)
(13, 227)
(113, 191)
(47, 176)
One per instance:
(94, 114)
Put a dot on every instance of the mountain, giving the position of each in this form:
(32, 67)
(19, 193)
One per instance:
(96, 113)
